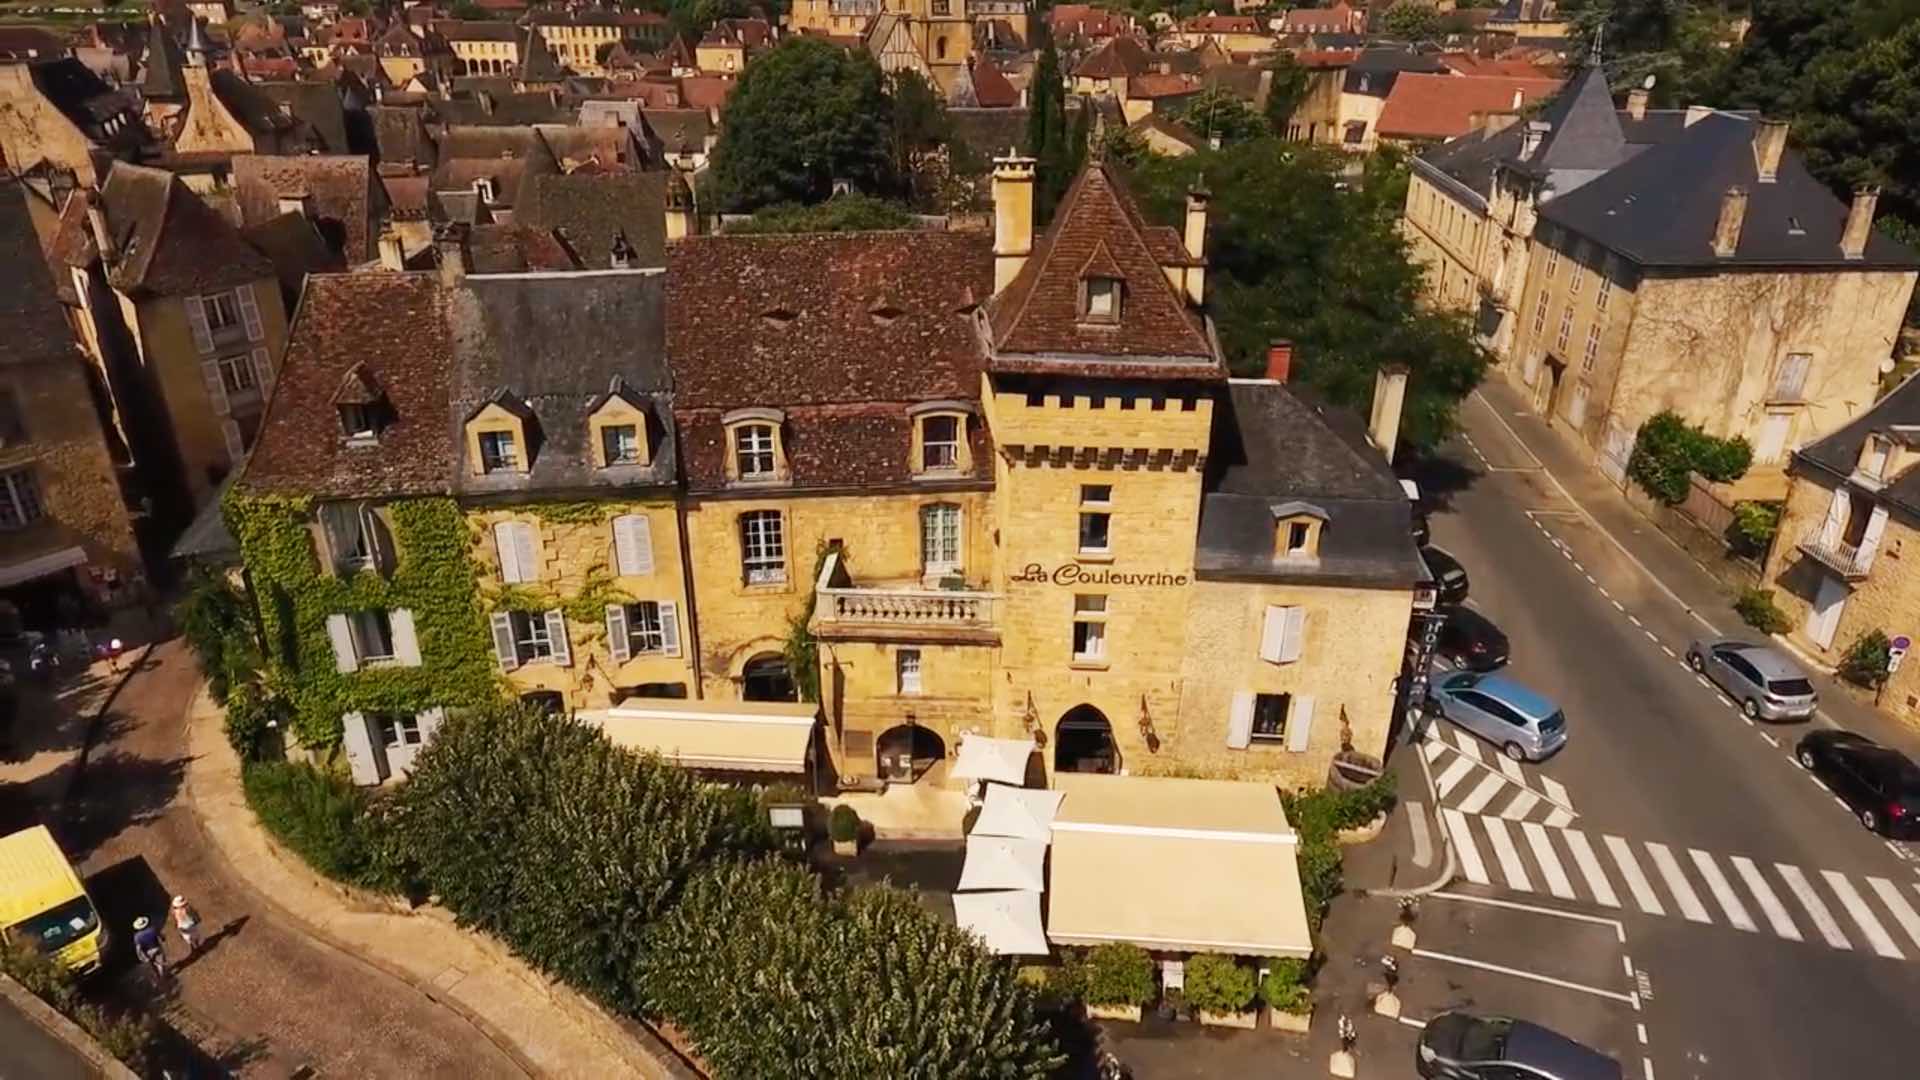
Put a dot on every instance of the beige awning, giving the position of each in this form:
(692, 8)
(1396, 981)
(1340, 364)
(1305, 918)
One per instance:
(745, 736)
(1175, 865)
(1003, 862)
(1026, 813)
(983, 758)
(1008, 923)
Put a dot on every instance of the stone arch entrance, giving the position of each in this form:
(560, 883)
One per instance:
(1083, 742)
(766, 678)
(903, 753)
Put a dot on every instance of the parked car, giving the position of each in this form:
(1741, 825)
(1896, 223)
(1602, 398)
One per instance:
(1470, 639)
(1422, 532)
(1524, 725)
(1461, 1046)
(1767, 684)
(1879, 783)
(1448, 575)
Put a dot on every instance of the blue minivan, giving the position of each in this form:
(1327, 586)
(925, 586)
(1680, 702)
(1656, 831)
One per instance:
(1494, 706)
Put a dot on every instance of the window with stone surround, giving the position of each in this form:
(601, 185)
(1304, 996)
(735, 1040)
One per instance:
(763, 549)
(1096, 519)
(1089, 628)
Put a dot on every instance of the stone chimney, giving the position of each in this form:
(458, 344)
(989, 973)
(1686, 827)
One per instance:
(1012, 217)
(1697, 113)
(392, 255)
(1769, 143)
(1389, 398)
(1733, 215)
(450, 244)
(683, 218)
(1853, 241)
(1279, 359)
(1637, 102)
(1196, 244)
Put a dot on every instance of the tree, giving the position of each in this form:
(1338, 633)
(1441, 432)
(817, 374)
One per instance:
(467, 9)
(1411, 20)
(1284, 92)
(1215, 113)
(1682, 44)
(1047, 133)
(919, 126)
(804, 115)
(1856, 125)
(846, 213)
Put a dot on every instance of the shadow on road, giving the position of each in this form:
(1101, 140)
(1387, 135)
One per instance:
(116, 790)
(1440, 475)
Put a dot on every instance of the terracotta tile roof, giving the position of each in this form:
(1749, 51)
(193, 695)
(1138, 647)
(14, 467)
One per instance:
(1441, 106)
(991, 90)
(1039, 312)
(517, 248)
(1086, 20)
(172, 243)
(1223, 24)
(1516, 68)
(1118, 58)
(31, 322)
(842, 331)
(1325, 58)
(1162, 86)
(705, 91)
(340, 189)
(406, 197)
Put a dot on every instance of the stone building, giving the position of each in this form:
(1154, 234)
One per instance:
(943, 31)
(59, 115)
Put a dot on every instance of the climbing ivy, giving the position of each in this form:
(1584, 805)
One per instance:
(586, 607)
(575, 513)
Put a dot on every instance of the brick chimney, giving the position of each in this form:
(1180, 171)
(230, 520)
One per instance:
(1637, 102)
(1853, 241)
(1769, 143)
(1733, 215)
(1389, 399)
(1279, 359)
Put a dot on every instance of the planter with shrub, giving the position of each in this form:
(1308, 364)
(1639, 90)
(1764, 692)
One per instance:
(844, 826)
(1756, 606)
(1118, 981)
(1221, 990)
(1289, 1000)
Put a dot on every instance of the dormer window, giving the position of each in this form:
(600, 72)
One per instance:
(1102, 302)
(754, 451)
(483, 189)
(1297, 528)
(361, 405)
(357, 423)
(498, 452)
(1874, 456)
(501, 434)
(939, 443)
(620, 444)
(618, 421)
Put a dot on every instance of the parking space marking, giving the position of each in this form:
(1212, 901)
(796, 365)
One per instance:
(1549, 861)
(1897, 904)
(1589, 865)
(1518, 973)
(1451, 776)
(1478, 799)
(1723, 893)
(1770, 905)
(1464, 847)
(1677, 885)
(1771, 741)
(1514, 870)
(1521, 805)
(1816, 908)
(1619, 930)
(1668, 649)
(1863, 916)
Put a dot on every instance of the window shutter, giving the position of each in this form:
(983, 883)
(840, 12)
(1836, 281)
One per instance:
(236, 444)
(1296, 635)
(381, 542)
(216, 389)
(250, 313)
(1836, 518)
(1870, 540)
(557, 630)
(344, 658)
(633, 543)
(262, 370)
(1240, 721)
(197, 321)
(617, 646)
(1273, 635)
(406, 647)
(507, 544)
(356, 737)
(430, 721)
(1300, 723)
(503, 649)
(525, 551)
(670, 627)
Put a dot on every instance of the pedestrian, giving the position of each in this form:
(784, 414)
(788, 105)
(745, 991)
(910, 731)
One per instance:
(187, 921)
(148, 946)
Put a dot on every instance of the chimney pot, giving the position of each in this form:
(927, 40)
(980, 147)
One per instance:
(1853, 241)
(1195, 239)
(1279, 360)
(1769, 143)
(1637, 102)
(1733, 215)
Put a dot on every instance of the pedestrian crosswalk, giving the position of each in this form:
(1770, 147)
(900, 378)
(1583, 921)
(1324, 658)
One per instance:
(1860, 913)
(1476, 780)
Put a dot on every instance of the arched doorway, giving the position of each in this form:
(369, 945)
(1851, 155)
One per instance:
(902, 754)
(766, 678)
(1083, 742)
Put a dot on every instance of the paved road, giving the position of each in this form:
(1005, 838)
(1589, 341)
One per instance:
(1769, 934)
(33, 1054)
(262, 997)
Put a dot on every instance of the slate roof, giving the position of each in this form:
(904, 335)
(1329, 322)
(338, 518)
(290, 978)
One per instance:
(1584, 136)
(400, 133)
(1838, 453)
(613, 149)
(680, 131)
(340, 190)
(1038, 314)
(31, 319)
(315, 103)
(589, 210)
(1423, 106)
(843, 331)
(257, 112)
(163, 81)
(1269, 448)
(504, 155)
(537, 107)
(537, 63)
(513, 248)
(172, 243)
(83, 98)
(1374, 71)
(295, 247)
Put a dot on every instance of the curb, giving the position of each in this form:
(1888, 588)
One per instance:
(1448, 869)
(50, 1020)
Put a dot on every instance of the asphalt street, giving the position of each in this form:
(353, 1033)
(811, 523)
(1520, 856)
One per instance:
(1784, 943)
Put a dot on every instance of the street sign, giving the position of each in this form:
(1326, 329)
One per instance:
(1894, 656)
(1902, 642)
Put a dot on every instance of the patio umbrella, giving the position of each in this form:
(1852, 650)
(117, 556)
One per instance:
(1002, 862)
(1008, 922)
(1026, 813)
(982, 758)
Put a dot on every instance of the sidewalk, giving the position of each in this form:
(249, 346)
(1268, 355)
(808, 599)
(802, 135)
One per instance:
(1670, 566)
(549, 1029)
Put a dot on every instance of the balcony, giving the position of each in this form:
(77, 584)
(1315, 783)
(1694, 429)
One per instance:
(1850, 561)
(844, 611)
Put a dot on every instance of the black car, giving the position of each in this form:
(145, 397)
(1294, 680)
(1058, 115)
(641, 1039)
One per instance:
(1461, 1046)
(1422, 532)
(1880, 784)
(1470, 639)
(1448, 575)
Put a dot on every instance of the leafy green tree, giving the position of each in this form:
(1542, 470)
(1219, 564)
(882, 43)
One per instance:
(1219, 984)
(1215, 113)
(846, 213)
(1411, 20)
(1681, 43)
(919, 129)
(1858, 125)
(804, 115)
(1284, 92)
(1048, 134)
(467, 9)
(218, 624)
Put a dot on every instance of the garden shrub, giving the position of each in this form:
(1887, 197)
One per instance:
(128, 1036)
(253, 715)
(1118, 974)
(1754, 526)
(1219, 984)
(844, 824)
(217, 624)
(1757, 607)
(320, 817)
(1286, 986)
(1866, 660)
(1318, 816)
(1667, 449)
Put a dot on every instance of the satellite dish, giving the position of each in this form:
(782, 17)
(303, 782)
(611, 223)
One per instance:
(1648, 84)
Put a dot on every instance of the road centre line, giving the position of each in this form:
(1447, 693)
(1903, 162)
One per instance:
(1647, 1064)
(1641, 1030)
(1668, 649)
(1518, 973)
(1619, 928)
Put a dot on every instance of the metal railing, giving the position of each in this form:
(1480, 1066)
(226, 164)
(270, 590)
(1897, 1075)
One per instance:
(1837, 555)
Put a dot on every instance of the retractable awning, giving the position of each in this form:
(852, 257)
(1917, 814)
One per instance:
(1007, 922)
(742, 736)
(1002, 760)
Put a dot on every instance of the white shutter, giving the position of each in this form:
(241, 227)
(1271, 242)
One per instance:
(250, 313)
(1300, 723)
(617, 633)
(525, 551)
(406, 647)
(430, 721)
(503, 649)
(216, 388)
(557, 630)
(1273, 633)
(1296, 638)
(633, 544)
(344, 658)
(375, 530)
(1870, 541)
(197, 321)
(364, 757)
(670, 628)
(262, 370)
(1240, 721)
(506, 542)
(1836, 518)
(236, 443)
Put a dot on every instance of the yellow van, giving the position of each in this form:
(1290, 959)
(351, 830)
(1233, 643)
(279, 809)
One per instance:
(43, 902)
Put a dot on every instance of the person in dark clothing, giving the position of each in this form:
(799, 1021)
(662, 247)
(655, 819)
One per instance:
(148, 947)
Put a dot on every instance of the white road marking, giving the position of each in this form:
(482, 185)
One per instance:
(1469, 745)
(1518, 973)
(1902, 911)
(1651, 636)
(1511, 867)
(1723, 893)
(1411, 1022)
(1771, 741)
(1556, 791)
(1464, 847)
(1432, 749)
(1646, 1063)
(1641, 1030)
(1590, 868)
(1590, 580)
(1604, 592)
(1422, 841)
(1863, 916)
(1559, 819)
(1512, 769)
(1634, 619)
(1668, 649)
(1816, 908)
(1702, 679)
(1770, 904)
(1521, 805)
(1451, 776)
(1618, 606)
(1549, 860)
(1637, 883)
(1677, 884)
(1619, 931)
(1477, 801)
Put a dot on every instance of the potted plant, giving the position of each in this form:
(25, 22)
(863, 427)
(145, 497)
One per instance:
(1119, 980)
(1289, 1001)
(844, 827)
(1221, 990)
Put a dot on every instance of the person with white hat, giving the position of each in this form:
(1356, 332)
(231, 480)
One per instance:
(148, 947)
(187, 921)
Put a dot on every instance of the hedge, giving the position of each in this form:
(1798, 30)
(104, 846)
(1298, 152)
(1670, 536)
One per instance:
(1219, 984)
(1318, 816)
(130, 1036)
(1118, 974)
(322, 818)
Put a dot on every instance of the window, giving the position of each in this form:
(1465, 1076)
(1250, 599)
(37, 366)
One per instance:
(236, 373)
(1593, 348)
(645, 632)
(19, 499)
(1790, 381)
(1540, 314)
(1270, 717)
(940, 538)
(1873, 463)
(498, 452)
(753, 449)
(1103, 300)
(483, 188)
(1566, 330)
(372, 635)
(939, 443)
(906, 665)
(763, 550)
(1089, 628)
(223, 311)
(358, 422)
(1606, 289)
(399, 729)
(620, 443)
(532, 638)
(1096, 525)
(1575, 279)
(1553, 263)
(1298, 533)
(353, 536)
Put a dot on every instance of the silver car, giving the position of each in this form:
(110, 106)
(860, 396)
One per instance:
(1761, 678)
(1523, 724)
